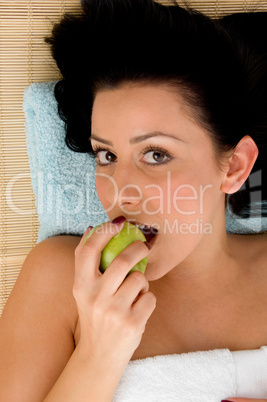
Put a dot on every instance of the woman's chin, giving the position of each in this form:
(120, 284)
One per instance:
(154, 271)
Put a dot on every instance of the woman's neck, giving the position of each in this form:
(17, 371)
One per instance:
(214, 263)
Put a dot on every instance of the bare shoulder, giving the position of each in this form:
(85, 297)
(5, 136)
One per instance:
(49, 270)
(38, 321)
(49, 254)
(56, 247)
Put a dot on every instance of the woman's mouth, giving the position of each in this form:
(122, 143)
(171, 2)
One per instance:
(148, 231)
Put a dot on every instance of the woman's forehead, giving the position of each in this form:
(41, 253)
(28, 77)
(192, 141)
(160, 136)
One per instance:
(154, 97)
(149, 107)
(122, 115)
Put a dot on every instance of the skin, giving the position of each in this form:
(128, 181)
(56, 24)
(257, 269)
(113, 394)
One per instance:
(210, 266)
(139, 111)
(213, 283)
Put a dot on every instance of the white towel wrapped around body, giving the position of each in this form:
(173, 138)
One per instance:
(208, 376)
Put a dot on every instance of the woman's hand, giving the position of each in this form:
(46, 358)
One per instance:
(113, 310)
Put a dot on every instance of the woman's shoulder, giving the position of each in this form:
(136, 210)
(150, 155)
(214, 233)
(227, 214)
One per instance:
(39, 320)
(53, 257)
(46, 280)
(55, 254)
(56, 245)
(52, 261)
(48, 270)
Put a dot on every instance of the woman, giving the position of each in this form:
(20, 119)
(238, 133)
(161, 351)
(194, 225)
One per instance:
(173, 107)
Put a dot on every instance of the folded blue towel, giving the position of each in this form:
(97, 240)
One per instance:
(64, 181)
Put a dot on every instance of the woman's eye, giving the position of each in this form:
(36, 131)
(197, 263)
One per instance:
(105, 157)
(156, 157)
(151, 156)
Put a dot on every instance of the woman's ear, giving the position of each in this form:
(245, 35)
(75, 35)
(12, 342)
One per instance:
(240, 165)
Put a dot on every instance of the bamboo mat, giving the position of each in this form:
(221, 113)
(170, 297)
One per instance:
(25, 58)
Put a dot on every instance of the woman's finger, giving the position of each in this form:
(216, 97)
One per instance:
(79, 247)
(144, 306)
(122, 264)
(134, 285)
(88, 256)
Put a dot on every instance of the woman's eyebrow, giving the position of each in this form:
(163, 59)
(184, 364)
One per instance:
(136, 140)
(95, 137)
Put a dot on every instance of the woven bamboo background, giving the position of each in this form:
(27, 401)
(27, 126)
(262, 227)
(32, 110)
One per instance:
(24, 58)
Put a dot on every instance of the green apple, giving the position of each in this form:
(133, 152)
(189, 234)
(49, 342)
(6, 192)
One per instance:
(128, 234)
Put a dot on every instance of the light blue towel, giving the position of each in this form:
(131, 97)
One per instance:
(64, 181)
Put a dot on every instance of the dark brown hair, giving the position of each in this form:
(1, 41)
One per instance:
(219, 67)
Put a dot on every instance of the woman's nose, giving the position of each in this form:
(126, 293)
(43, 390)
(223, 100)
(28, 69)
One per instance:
(126, 194)
(129, 196)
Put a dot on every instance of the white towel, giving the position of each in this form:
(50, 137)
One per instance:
(251, 372)
(208, 376)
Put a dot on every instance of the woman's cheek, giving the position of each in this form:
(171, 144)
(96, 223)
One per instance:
(175, 198)
(106, 190)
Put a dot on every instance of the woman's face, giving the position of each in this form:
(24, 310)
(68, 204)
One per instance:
(156, 166)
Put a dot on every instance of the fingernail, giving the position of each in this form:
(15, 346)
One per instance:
(226, 400)
(147, 244)
(119, 220)
(89, 228)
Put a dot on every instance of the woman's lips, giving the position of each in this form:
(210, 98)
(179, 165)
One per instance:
(148, 231)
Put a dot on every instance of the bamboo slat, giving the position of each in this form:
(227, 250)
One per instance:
(24, 58)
